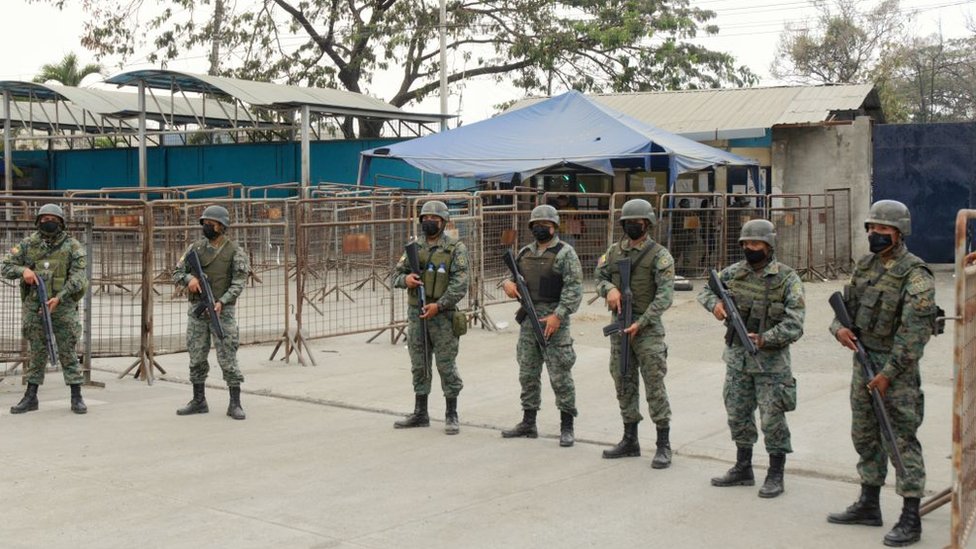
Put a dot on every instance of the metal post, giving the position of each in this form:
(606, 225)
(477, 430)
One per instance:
(443, 64)
(143, 180)
(8, 150)
(306, 166)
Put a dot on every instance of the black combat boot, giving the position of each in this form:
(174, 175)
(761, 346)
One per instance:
(234, 409)
(628, 446)
(866, 510)
(28, 403)
(566, 436)
(198, 405)
(526, 428)
(77, 403)
(418, 418)
(773, 486)
(909, 527)
(741, 473)
(451, 425)
(662, 457)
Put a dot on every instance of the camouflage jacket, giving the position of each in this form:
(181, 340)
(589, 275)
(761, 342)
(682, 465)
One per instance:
(457, 284)
(567, 265)
(240, 269)
(62, 263)
(662, 275)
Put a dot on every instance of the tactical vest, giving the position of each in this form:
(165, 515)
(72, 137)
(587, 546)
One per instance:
(642, 282)
(218, 265)
(761, 300)
(874, 299)
(545, 285)
(52, 265)
(435, 265)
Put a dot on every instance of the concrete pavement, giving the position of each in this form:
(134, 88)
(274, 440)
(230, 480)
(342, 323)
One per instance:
(318, 464)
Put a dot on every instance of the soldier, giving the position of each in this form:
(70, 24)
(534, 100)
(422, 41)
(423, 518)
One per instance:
(652, 283)
(226, 267)
(769, 297)
(444, 261)
(50, 253)
(554, 278)
(891, 299)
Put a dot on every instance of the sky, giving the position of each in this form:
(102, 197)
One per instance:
(35, 34)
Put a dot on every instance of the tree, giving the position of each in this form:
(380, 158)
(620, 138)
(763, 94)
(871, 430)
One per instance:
(588, 45)
(67, 72)
(937, 79)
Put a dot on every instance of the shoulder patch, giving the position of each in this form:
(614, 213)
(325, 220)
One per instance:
(918, 282)
(602, 261)
(664, 261)
(15, 250)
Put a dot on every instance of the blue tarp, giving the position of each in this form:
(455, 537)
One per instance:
(566, 129)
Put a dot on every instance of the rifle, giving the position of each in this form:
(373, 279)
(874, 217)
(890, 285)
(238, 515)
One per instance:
(626, 316)
(528, 308)
(733, 320)
(206, 305)
(870, 370)
(50, 341)
(413, 259)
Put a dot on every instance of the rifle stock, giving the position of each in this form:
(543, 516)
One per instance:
(733, 320)
(626, 316)
(413, 261)
(528, 308)
(208, 303)
(50, 342)
(870, 370)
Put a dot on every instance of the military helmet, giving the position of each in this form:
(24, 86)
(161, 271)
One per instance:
(759, 229)
(216, 213)
(436, 207)
(638, 208)
(891, 213)
(50, 209)
(544, 213)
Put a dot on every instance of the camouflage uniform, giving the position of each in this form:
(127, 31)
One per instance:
(452, 254)
(226, 266)
(652, 282)
(772, 305)
(61, 262)
(559, 355)
(892, 303)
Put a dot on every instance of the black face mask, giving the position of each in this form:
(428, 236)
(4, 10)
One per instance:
(541, 233)
(210, 232)
(634, 229)
(878, 242)
(430, 228)
(754, 257)
(50, 228)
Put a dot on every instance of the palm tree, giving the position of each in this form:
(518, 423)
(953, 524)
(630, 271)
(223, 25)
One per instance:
(67, 71)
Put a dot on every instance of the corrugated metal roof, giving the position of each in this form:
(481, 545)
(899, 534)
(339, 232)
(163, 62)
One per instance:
(63, 116)
(737, 112)
(266, 94)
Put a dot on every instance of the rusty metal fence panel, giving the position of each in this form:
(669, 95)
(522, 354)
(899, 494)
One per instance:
(584, 227)
(689, 226)
(964, 399)
(843, 227)
(505, 226)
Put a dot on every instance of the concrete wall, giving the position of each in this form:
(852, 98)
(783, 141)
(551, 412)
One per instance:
(813, 159)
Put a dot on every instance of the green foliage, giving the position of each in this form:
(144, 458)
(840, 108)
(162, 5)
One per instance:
(67, 71)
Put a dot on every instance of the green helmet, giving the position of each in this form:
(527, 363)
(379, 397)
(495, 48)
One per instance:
(216, 213)
(544, 213)
(50, 209)
(891, 213)
(436, 207)
(759, 229)
(638, 208)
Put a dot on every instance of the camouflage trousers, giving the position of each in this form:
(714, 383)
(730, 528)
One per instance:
(443, 348)
(774, 394)
(559, 358)
(67, 329)
(198, 338)
(905, 403)
(649, 360)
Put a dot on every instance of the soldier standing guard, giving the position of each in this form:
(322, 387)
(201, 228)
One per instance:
(891, 300)
(554, 278)
(652, 283)
(50, 253)
(226, 267)
(444, 262)
(769, 297)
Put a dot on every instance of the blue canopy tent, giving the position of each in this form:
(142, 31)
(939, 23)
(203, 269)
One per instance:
(569, 129)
